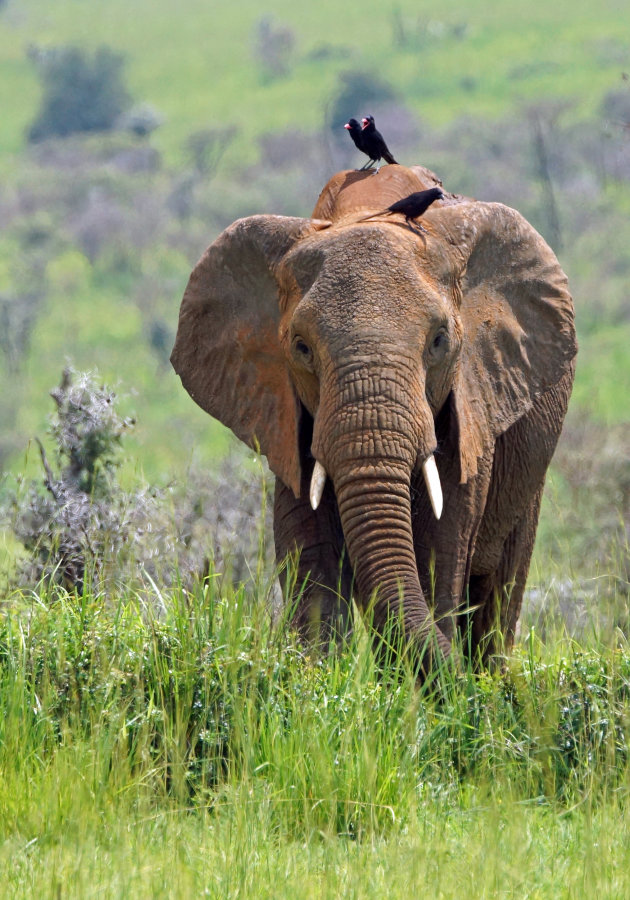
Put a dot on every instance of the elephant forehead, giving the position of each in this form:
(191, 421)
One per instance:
(355, 256)
(364, 275)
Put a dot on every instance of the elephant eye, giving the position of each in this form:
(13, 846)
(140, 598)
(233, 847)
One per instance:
(302, 352)
(440, 344)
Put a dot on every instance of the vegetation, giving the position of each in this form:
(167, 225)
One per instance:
(80, 94)
(170, 743)
(99, 233)
(161, 733)
(154, 705)
(78, 526)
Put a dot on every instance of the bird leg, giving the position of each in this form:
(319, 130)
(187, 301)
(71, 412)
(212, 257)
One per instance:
(417, 227)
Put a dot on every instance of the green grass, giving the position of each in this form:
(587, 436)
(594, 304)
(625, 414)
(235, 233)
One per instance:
(173, 744)
(602, 383)
(512, 850)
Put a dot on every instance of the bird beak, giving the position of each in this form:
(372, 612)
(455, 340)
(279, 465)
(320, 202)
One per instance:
(365, 121)
(347, 126)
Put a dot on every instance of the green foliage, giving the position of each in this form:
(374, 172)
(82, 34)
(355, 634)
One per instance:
(358, 93)
(169, 716)
(80, 93)
(69, 273)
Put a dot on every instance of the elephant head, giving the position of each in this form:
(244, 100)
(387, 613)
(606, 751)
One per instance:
(333, 343)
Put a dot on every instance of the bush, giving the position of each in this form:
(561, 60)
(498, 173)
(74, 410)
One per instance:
(273, 48)
(595, 466)
(359, 94)
(615, 108)
(84, 528)
(23, 291)
(80, 93)
(78, 522)
(222, 522)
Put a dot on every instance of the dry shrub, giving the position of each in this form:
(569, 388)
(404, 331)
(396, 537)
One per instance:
(223, 520)
(80, 527)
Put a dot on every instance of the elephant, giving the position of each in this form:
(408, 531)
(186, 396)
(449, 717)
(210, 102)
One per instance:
(408, 389)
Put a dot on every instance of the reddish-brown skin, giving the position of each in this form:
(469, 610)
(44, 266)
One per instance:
(458, 342)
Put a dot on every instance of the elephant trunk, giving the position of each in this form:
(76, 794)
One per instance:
(370, 465)
(376, 519)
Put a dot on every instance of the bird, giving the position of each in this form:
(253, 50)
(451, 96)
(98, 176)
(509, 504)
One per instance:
(355, 131)
(353, 126)
(374, 143)
(411, 207)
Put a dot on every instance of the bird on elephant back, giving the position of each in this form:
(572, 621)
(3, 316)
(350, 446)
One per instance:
(408, 391)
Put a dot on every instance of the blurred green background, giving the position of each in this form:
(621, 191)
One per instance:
(215, 111)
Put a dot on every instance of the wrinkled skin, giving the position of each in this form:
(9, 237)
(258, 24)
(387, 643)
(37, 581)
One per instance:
(368, 346)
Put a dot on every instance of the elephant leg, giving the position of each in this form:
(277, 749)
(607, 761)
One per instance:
(320, 588)
(443, 563)
(504, 547)
(444, 548)
(495, 598)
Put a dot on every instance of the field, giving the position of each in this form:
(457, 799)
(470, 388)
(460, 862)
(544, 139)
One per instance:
(206, 72)
(200, 753)
(163, 735)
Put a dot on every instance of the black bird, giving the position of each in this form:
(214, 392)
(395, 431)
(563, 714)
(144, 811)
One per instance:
(374, 143)
(356, 133)
(411, 207)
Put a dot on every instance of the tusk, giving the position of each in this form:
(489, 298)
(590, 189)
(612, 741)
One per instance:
(432, 481)
(318, 480)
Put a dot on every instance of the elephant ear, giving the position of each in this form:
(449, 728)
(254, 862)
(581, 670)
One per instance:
(227, 352)
(517, 320)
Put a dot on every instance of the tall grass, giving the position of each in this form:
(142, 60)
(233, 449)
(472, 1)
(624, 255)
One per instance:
(173, 743)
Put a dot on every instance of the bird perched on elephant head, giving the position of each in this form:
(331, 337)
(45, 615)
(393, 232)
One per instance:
(411, 207)
(354, 129)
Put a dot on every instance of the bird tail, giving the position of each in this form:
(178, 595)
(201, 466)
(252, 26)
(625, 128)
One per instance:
(389, 159)
(383, 212)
